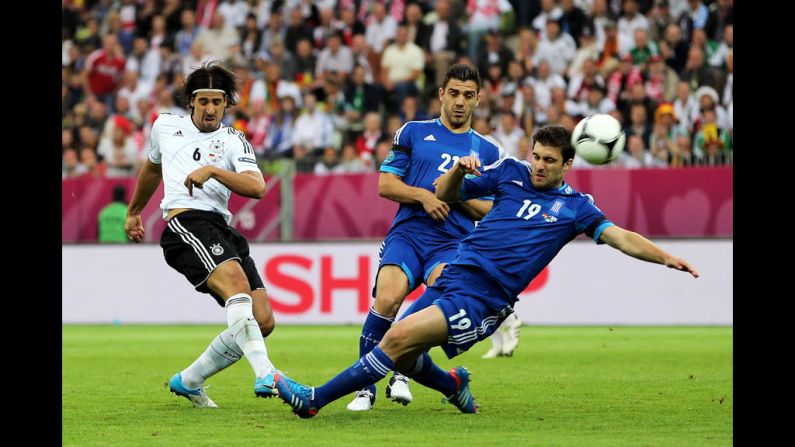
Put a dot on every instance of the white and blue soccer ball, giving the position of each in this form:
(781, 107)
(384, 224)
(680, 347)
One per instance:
(598, 139)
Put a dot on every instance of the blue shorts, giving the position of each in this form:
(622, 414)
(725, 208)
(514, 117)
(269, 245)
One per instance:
(416, 253)
(471, 303)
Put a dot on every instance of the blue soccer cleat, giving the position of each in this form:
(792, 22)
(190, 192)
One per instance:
(298, 396)
(264, 386)
(198, 397)
(462, 398)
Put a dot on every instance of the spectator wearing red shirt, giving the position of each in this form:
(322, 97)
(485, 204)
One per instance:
(103, 69)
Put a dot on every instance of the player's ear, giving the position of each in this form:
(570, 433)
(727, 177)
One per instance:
(441, 93)
(567, 165)
(477, 100)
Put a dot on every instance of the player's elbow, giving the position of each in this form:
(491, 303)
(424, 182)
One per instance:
(259, 191)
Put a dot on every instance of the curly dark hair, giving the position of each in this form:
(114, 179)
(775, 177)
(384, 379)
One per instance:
(462, 72)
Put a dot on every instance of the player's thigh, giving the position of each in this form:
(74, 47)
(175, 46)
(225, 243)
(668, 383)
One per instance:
(414, 334)
(228, 279)
(437, 259)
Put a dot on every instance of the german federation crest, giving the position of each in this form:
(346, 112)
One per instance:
(217, 249)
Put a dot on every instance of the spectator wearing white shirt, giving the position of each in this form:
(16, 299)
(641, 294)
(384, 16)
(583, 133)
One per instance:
(556, 48)
(335, 60)
(628, 23)
(313, 129)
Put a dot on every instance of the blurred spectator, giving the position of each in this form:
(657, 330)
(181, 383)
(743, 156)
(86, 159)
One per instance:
(685, 106)
(556, 48)
(360, 97)
(597, 102)
(695, 16)
(235, 12)
(279, 55)
(183, 41)
(143, 61)
(313, 128)
(296, 31)
(610, 53)
(444, 43)
(219, 36)
(70, 165)
(642, 50)
(636, 155)
(728, 89)
(380, 29)
(718, 58)
(639, 123)
(721, 14)
(117, 148)
(258, 126)
(542, 87)
(250, 38)
(712, 142)
(361, 56)
(382, 149)
(418, 32)
(508, 133)
(102, 72)
(661, 80)
(327, 164)
(484, 15)
(630, 21)
(493, 52)
(659, 19)
(549, 11)
(524, 149)
(599, 19)
(350, 163)
(708, 46)
(588, 50)
(349, 25)
(581, 84)
(683, 155)
(326, 28)
(365, 143)
(674, 48)
(618, 84)
(93, 167)
(573, 20)
(280, 135)
(707, 99)
(410, 111)
(335, 60)
(305, 63)
(401, 65)
(112, 217)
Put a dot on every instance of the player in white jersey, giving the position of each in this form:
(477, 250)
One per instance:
(201, 163)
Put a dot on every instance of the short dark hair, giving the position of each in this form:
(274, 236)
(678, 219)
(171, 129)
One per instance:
(462, 72)
(556, 136)
(211, 75)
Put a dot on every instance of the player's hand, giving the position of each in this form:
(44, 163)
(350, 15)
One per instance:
(197, 178)
(134, 228)
(470, 165)
(435, 208)
(681, 264)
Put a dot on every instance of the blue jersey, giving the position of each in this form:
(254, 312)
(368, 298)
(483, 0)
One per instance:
(526, 228)
(421, 152)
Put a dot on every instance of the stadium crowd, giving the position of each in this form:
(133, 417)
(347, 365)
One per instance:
(327, 83)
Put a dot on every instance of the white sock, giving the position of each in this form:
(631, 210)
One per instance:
(222, 353)
(496, 338)
(245, 330)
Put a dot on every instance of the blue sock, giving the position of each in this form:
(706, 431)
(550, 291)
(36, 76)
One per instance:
(375, 326)
(426, 372)
(366, 371)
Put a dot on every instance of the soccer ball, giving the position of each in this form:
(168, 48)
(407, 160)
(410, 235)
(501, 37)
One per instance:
(598, 139)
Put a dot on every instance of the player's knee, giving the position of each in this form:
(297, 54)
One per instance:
(388, 304)
(396, 340)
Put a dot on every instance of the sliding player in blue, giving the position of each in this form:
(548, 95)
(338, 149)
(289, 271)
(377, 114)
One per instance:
(535, 214)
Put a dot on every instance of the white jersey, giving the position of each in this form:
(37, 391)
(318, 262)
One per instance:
(181, 149)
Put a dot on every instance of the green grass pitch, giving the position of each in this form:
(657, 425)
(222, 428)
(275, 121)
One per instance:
(565, 386)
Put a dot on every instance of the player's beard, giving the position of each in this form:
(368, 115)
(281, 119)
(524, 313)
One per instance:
(458, 122)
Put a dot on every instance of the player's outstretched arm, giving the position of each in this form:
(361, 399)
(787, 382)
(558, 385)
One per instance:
(392, 187)
(148, 180)
(637, 246)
